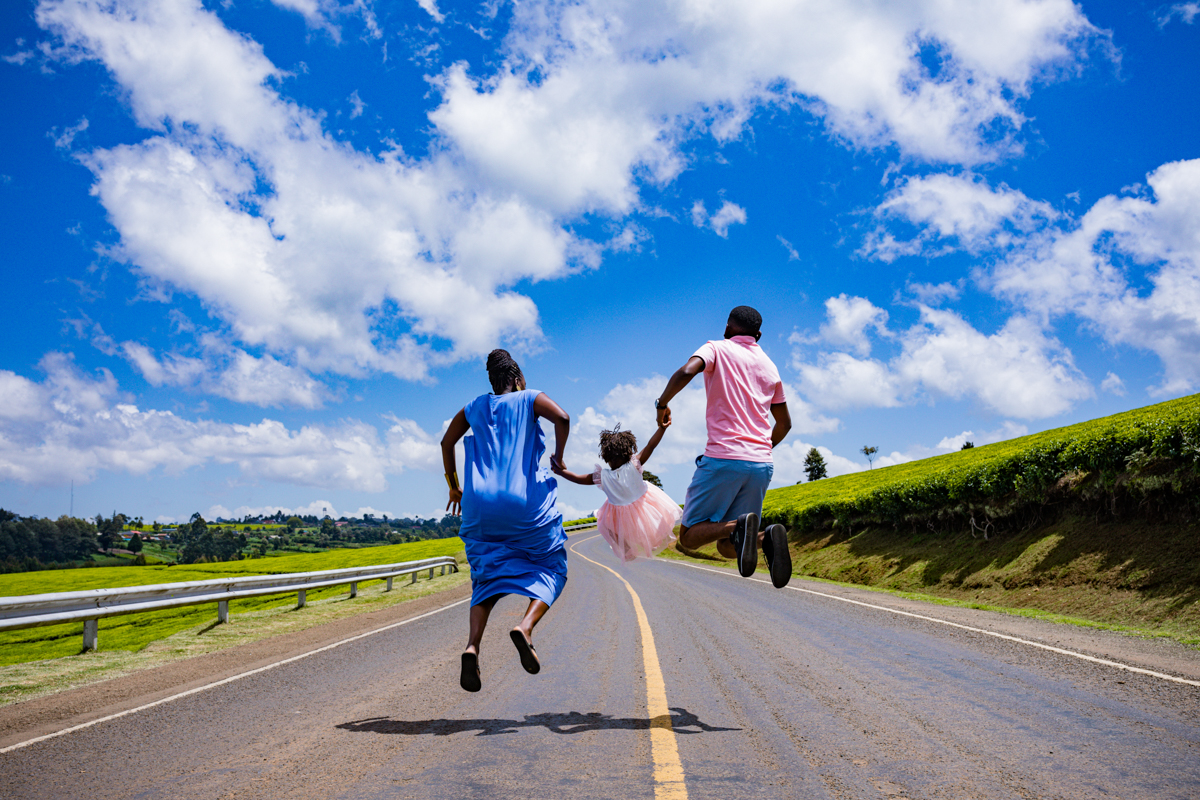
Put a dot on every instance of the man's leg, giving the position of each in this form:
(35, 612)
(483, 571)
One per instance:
(708, 498)
(772, 538)
(703, 533)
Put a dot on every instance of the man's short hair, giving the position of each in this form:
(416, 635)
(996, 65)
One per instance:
(746, 319)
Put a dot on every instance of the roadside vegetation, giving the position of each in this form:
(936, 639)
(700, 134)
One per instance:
(1141, 463)
(135, 631)
(1097, 521)
(29, 544)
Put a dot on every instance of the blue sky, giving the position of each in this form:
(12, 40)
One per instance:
(255, 252)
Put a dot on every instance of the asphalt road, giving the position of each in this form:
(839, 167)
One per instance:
(773, 694)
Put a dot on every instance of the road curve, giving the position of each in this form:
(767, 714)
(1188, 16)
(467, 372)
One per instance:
(773, 693)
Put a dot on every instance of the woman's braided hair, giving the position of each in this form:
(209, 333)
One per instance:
(502, 371)
(617, 446)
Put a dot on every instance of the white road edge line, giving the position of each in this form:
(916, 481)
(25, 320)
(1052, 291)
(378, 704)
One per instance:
(230, 679)
(1039, 645)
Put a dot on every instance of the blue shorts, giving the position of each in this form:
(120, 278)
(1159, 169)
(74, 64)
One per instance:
(723, 489)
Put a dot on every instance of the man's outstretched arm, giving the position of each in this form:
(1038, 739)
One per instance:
(682, 377)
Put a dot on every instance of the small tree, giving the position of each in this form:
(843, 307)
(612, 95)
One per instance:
(967, 446)
(294, 522)
(650, 477)
(135, 543)
(814, 465)
(869, 451)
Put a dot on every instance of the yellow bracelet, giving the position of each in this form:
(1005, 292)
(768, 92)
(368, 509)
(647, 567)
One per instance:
(452, 481)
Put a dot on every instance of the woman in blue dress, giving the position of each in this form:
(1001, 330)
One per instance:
(511, 526)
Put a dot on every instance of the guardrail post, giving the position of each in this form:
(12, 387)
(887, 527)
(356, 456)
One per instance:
(353, 590)
(443, 569)
(222, 611)
(414, 580)
(389, 588)
(431, 573)
(91, 634)
(301, 598)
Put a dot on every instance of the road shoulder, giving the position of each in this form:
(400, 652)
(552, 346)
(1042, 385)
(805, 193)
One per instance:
(31, 718)
(1156, 653)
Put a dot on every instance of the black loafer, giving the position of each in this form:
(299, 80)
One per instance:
(779, 557)
(745, 539)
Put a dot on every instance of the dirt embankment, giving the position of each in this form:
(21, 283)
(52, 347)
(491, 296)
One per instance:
(1119, 572)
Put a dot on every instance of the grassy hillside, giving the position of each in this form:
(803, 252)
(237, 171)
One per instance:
(1098, 521)
(1152, 451)
(135, 631)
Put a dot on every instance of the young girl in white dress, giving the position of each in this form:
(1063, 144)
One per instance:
(637, 519)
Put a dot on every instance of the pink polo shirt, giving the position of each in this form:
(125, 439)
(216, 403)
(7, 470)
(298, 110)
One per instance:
(741, 384)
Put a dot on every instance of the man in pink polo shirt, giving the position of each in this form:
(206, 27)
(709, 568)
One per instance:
(747, 416)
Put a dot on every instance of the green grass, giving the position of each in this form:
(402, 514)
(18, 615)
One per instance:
(135, 631)
(1070, 573)
(1021, 467)
(27, 680)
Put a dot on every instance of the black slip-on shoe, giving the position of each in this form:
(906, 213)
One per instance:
(745, 537)
(778, 556)
(469, 678)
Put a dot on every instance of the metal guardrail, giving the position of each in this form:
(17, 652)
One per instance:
(579, 527)
(91, 605)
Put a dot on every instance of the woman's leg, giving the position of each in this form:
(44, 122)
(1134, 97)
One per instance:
(533, 614)
(522, 636)
(479, 620)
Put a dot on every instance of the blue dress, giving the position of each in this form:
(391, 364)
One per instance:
(511, 525)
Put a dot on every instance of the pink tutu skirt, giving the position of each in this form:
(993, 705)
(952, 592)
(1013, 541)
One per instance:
(642, 528)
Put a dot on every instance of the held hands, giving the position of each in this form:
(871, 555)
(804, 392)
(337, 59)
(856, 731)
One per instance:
(557, 466)
(664, 417)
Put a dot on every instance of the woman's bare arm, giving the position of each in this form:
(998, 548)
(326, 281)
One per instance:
(546, 408)
(457, 430)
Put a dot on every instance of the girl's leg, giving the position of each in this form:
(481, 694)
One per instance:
(479, 619)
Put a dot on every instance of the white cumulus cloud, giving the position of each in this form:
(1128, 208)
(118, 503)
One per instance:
(71, 426)
(1128, 267)
(330, 258)
(1018, 371)
(959, 207)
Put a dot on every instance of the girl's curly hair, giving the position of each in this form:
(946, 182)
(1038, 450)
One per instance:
(617, 446)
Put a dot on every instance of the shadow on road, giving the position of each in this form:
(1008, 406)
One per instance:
(571, 722)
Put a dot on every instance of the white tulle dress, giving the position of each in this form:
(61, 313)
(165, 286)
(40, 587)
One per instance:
(637, 519)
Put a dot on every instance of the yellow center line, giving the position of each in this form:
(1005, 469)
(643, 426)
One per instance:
(668, 770)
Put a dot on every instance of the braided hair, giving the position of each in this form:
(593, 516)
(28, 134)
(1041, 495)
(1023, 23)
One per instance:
(503, 371)
(617, 446)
